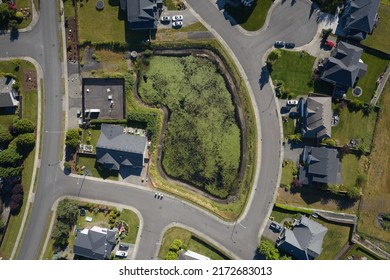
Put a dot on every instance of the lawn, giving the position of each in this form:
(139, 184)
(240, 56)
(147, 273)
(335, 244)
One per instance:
(112, 61)
(69, 9)
(287, 174)
(375, 67)
(358, 252)
(351, 166)
(376, 194)
(335, 239)
(192, 243)
(379, 39)
(94, 134)
(354, 125)
(251, 19)
(24, 4)
(97, 171)
(30, 112)
(101, 26)
(171, 4)
(288, 127)
(295, 70)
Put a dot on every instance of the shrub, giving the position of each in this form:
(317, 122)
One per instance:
(353, 192)
(72, 138)
(67, 165)
(23, 126)
(5, 136)
(329, 142)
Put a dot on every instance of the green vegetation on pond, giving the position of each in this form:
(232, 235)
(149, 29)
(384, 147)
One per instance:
(202, 142)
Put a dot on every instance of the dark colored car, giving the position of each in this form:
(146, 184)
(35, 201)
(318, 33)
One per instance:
(279, 44)
(276, 227)
(290, 45)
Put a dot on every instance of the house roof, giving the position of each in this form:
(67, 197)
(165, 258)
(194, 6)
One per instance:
(318, 117)
(305, 240)
(6, 93)
(345, 66)
(360, 15)
(320, 165)
(141, 14)
(115, 148)
(95, 243)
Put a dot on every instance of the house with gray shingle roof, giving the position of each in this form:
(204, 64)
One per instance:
(121, 152)
(344, 68)
(8, 95)
(320, 165)
(96, 243)
(142, 14)
(317, 121)
(304, 241)
(358, 19)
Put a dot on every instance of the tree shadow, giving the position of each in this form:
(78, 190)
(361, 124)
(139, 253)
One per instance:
(264, 76)
(14, 35)
(238, 15)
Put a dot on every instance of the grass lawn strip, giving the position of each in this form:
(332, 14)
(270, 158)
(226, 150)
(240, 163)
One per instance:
(376, 194)
(28, 164)
(287, 174)
(380, 38)
(24, 4)
(190, 242)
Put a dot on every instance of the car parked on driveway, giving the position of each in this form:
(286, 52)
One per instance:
(177, 24)
(165, 19)
(279, 44)
(292, 102)
(177, 18)
(275, 227)
(328, 44)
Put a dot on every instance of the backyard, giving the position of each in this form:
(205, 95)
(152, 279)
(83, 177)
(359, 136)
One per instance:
(295, 70)
(376, 194)
(251, 19)
(335, 239)
(379, 39)
(375, 67)
(191, 242)
(354, 125)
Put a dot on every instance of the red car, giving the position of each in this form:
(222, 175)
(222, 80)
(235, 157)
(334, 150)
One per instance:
(329, 44)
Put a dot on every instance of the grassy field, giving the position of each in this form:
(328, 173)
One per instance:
(351, 166)
(379, 39)
(198, 100)
(295, 70)
(354, 125)
(335, 239)
(253, 19)
(29, 112)
(376, 66)
(111, 61)
(376, 194)
(193, 244)
(92, 29)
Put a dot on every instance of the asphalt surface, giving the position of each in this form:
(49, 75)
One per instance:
(290, 23)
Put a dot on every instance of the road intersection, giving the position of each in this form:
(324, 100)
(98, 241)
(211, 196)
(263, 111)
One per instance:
(294, 23)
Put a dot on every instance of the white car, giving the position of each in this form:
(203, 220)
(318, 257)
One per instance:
(122, 254)
(177, 18)
(292, 102)
(177, 24)
(165, 18)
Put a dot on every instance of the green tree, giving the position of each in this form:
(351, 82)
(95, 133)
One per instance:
(24, 125)
(269, 251)
(72, 138)
(176, 245)
(67, 211)
(25, 142)
(329, 141)
(60, 234)
(10, 157)
(353, 192)
(5, 136)
(5, 13)
(7, 172)
(171, 255)
(274, 55)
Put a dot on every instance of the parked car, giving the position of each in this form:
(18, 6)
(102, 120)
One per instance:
(329, 44)
(177, 24)
(290, 45)
(122, 254)
(279, 44)
(177, 18)
(292, 102)
(275, 226)
(165, 18)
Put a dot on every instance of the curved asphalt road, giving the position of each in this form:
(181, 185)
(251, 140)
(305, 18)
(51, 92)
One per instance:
(288, 23)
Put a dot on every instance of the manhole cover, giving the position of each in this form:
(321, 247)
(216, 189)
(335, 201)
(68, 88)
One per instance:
(100, 5)
(357, 91)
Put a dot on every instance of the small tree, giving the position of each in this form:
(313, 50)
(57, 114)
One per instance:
(16, 203)
(5, 136)
(24, 126)
(60, 234)
(72, 138)
(269, 251)
(353, 192)
(274, 55)
(25, 142)
(171, 255)
(10, 157)
(67, 211)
